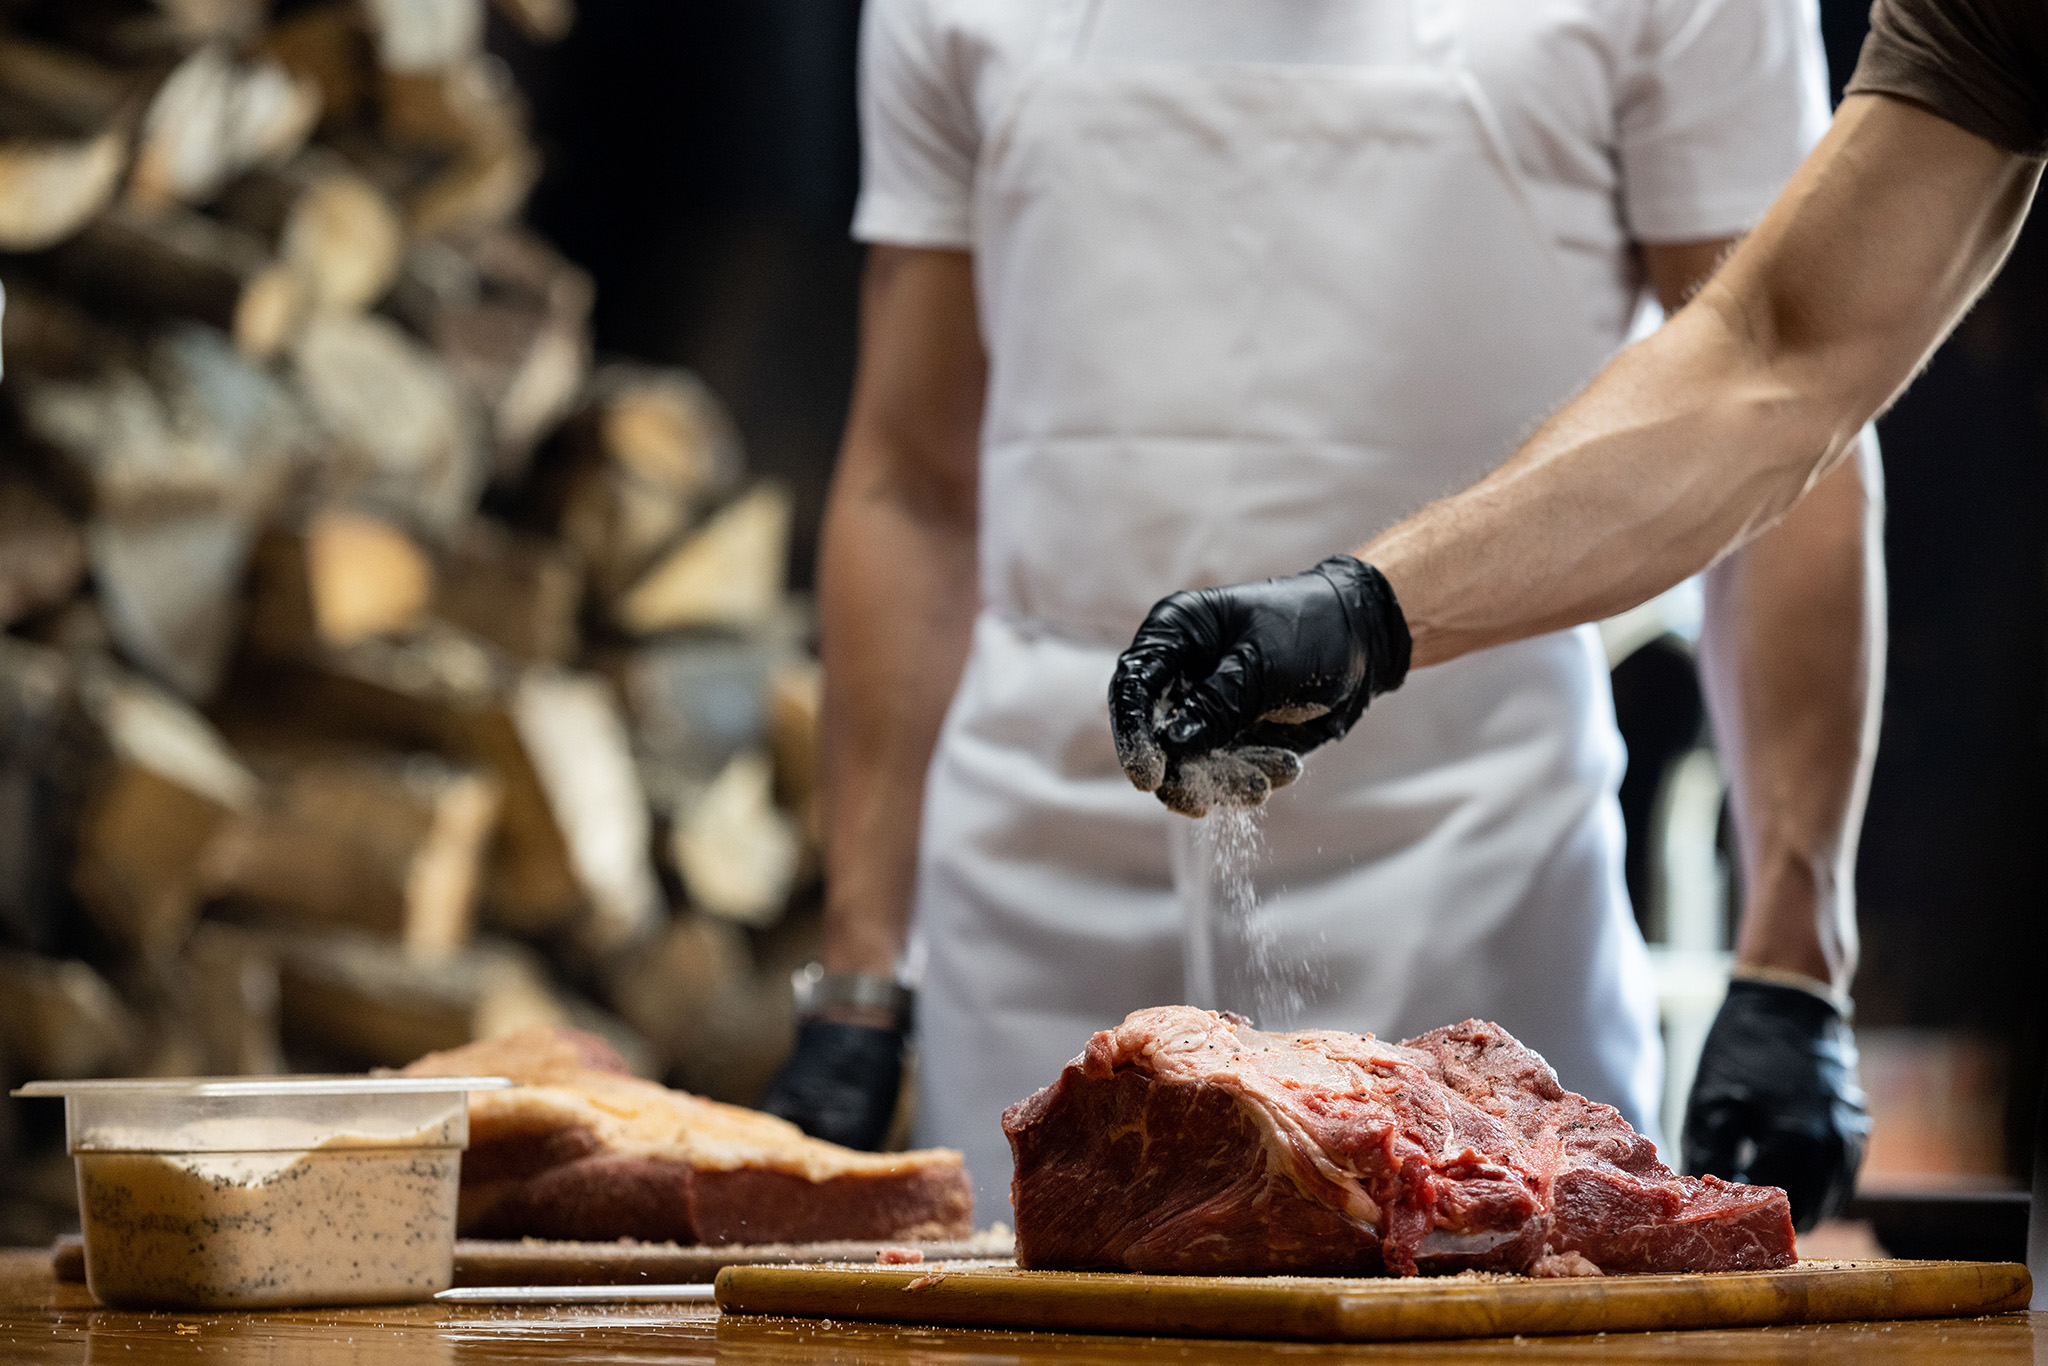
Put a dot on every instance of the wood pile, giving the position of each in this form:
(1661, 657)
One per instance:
(376, 672)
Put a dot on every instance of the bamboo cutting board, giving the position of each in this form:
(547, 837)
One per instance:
(1317, 1309)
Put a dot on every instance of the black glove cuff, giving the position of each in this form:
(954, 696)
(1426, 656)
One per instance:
(1377, 622)
(840, 1082)
(1815, 1014)
(836, 1044)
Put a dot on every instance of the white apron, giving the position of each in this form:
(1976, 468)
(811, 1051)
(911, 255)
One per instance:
(1239, 317)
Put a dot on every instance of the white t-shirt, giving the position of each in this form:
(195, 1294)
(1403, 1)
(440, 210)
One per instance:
(1630, 120)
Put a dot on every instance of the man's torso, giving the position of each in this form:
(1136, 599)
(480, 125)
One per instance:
(1560, 77)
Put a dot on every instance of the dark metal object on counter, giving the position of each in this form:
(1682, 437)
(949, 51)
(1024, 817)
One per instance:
(577, 1294)
(1964, 1226)
(2037, 1223)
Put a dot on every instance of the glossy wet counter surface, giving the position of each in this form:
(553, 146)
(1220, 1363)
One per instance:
(42, 1321)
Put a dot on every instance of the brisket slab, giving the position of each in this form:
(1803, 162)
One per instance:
(1186, 1141)
(582, 1150)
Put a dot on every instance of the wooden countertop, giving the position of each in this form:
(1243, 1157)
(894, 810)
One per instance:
(42, 1322)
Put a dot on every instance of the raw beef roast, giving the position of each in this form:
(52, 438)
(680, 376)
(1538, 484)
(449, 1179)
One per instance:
(1186, 1141)
(581, 1149)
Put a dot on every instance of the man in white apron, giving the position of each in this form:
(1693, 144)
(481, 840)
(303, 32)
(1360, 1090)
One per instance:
(1180, 294)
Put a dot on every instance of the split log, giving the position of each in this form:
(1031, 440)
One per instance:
(440, 96)
(737, 854)
(519, 592)
(65, 128)
(470, 120)
(668, 429)
(165, 787)
(694, 703)
(511, 317)
(465, 107)
(197, 21)
(483, 189)
(170, 578)
(61, 1020)
(390, 845)
(570, 728)
(166, 580)
(326, 46)
(573, 855)
(248, 422)
(407, 438)
(346, 577)
(42, 552)
(425, 35)
(796, 698)
(212, 119)
(356, 1001)
(178, 468)
(230, 1004)
(196, 429)
(329, 226)
(179, 264)
(729, 573)
(152, 32)
(720, 1028)
(55, 90)
(649, 451)
(212, 1010)
(541, 21)
(49, 189)
(452, 193)
(168, 587)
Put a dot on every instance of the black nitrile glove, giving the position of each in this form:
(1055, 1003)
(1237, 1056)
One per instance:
(1775, 1101)
(1224, 689)
(840, 1083)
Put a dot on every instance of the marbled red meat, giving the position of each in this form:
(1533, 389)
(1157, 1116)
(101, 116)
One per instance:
(1186, 1141)
(583, 1150)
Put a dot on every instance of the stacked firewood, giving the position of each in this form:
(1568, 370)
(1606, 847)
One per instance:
(377, 675)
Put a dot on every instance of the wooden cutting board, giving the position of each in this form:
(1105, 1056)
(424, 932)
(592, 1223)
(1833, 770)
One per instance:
(482, 1262)
(1318, 1309)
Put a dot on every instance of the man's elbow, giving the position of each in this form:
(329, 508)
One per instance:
(884, 473)
(1794, 403)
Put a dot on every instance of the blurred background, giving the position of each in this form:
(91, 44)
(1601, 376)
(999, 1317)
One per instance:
(417, 417)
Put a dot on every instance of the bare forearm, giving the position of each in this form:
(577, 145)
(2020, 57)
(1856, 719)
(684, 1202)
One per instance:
(898, 612)
(1669, 457)
(896, 587)
(1698, 438)
(1792, 660)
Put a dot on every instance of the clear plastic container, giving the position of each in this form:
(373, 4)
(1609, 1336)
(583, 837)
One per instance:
(287, 1191)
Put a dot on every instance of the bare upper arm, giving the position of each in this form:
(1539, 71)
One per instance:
(1886, 234)
(914, 425)
(1676, 270)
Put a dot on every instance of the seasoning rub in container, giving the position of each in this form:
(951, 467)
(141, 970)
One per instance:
(223, 1193)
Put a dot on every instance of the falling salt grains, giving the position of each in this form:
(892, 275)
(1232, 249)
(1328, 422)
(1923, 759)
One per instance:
(1235, 843)
(1270, 986)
